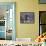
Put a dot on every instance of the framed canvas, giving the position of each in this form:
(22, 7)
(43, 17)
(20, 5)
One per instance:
(27, 17)
(7, 20)
(42, 1)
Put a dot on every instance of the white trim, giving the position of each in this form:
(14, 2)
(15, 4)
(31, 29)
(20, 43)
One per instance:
(24, 39)
(11, 13)
(13, 36)
(2, 20)
(5, 29)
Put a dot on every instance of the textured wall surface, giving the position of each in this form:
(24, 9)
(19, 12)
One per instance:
(27, 30)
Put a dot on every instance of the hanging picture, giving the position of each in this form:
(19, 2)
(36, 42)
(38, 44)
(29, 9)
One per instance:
(27, 17)
(42, 1)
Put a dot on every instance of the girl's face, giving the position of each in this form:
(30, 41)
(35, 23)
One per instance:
(41, 36)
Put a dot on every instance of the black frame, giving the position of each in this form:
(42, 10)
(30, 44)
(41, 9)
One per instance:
(28, 14)
(41, 2)
(39, 20)
(39, 24)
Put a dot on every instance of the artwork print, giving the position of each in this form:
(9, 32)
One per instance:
(27, 17)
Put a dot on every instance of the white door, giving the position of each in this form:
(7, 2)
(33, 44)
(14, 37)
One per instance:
(9, 17)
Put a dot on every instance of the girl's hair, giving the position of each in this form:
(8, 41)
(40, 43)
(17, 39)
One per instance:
(44, 34)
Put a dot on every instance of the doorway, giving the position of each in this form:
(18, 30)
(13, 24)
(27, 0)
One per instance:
(42, 22)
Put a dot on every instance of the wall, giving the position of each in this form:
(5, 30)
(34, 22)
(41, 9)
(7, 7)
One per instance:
(27, 30)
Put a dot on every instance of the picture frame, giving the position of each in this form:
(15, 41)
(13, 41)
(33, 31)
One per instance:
(27, 17)
(42, 1)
